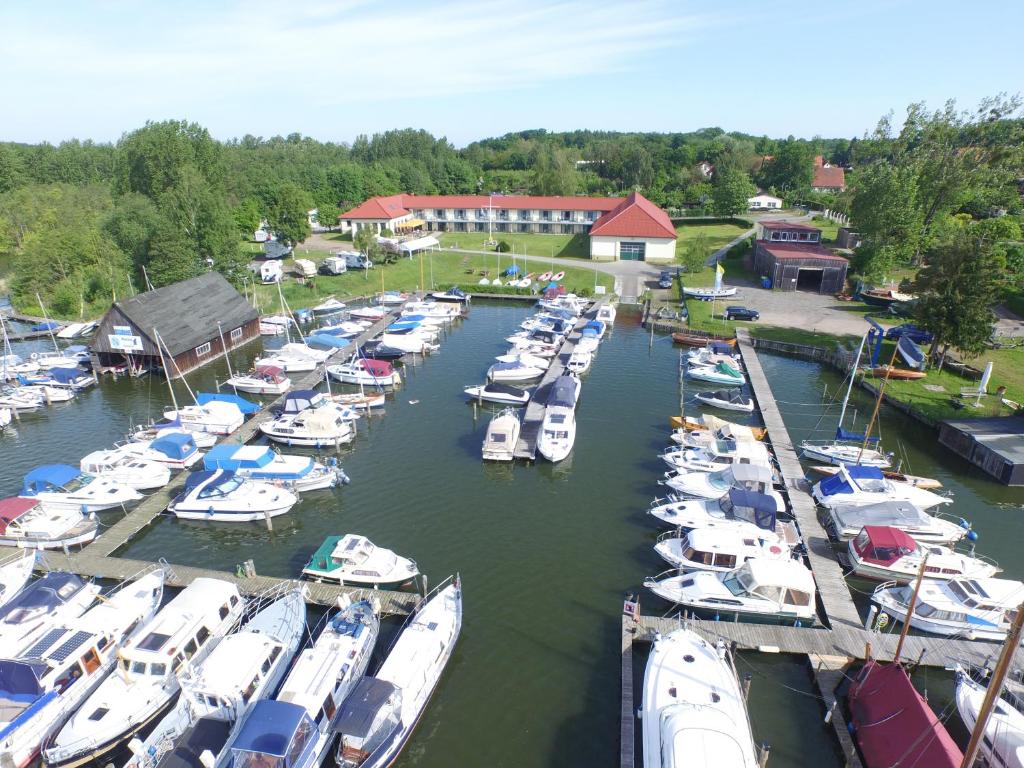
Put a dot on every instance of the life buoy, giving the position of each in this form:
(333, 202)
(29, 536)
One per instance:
(34, 356)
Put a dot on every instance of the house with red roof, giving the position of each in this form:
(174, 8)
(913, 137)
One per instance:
(634, 222)
(791, 256)
(827, 177)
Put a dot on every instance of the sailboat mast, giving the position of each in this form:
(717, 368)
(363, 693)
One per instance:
(47, 319)
(284, 308)
(7, 346)
(878, 405)
(224, 348)
(180, 374)
(167, 373)
(849, 387)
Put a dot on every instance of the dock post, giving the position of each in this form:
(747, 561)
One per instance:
(766, 750)
(270, 525)
(747, 679)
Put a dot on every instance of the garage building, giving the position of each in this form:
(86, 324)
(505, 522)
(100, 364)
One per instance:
(792, 257)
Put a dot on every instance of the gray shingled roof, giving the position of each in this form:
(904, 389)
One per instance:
(186, 313)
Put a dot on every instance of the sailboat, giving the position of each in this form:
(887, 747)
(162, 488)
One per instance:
(217, 417)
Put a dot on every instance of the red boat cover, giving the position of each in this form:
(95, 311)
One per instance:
(13, 508)
(894, 725)
(885, 544)
(378, 368)
(270, 372)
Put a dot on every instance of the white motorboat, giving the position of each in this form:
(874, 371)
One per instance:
(298, 349)
(30, 524)
(260, 462)
(184, 631)
(717, 549)
(747, 512)
(719, 373)
(373, 314)
(523, 358)
(502, 436)
(355, 560)
(317, 428)
(453, 294)
(360, 401)
(707, 293)
(216, 417)
(392, 298)
(496, 392)
(378, 718)
(725, 430)
(73, 378)
(46, 682)
(274, 325)
(883, 552)
(264, 380)
(175, 450)
(366, 371)
(558, 430)
(219, 692)
(568, 301)
(330, 306)
(309, 401)
(14, 575)
(433, 309)
(47, 602)
(63, 487)
(126, 469)
(163, 427)
(844, 521)
(713, 485)
(55, 359)
(730, 401)
(579, 362)
(514, 372)
(974, 609)
(6, 414)
(838, 453)
(50, 394)
(407, 342)
(224, 496)
(287, 362)
(1003, 742)
(693, 712)
(299, 722)
(717, 456)
(773, 591)
(588, 344)
(855, 484)
(77, 330)
(21, 398)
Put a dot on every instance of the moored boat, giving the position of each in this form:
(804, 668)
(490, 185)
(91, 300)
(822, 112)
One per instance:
(854, 484)
(259, 462)
(720, 373)
(844, 521)
(14, 575)
(897, 477)
(729, 400)
(130, 470)
(30, 524)
(496, 392)
(1003, 743)
(883, 552)
(224, 496)
(355, 560)
(264, 380)
(64, 487)
(46, 603)
(502, 436)
(317, 428)
(717, 549)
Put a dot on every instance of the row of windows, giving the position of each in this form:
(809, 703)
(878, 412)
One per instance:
(505, 214)
(546, 229)
(204, 349)
(807, 237)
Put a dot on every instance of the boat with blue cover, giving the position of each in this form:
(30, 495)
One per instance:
(224, 496)
(855, 484)
(453, 294)
(912, 354)
(247, 407)
(260, 462)
(64, 487)
(177, 450)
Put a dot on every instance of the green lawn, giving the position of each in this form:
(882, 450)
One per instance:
(801, 336)
(563, 246)
(829, 229)
(405, 275)
(717, 235)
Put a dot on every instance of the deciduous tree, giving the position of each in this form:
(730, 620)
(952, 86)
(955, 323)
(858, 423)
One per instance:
(730, 191)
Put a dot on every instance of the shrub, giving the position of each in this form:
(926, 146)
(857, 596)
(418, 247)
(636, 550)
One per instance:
(503, 247)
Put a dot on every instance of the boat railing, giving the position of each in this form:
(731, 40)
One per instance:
(272, 594)
(664, 575)
(675, 533)
(454, 578)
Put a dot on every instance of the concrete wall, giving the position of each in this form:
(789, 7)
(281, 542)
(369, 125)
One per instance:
(604, 248)
(659, 250)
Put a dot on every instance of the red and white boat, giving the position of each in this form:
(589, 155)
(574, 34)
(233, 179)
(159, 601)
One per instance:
(888, 554)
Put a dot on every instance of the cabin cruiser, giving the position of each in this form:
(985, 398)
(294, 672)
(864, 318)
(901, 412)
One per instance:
(713, 485)
(883, 552)
(569, 301)
(175, 450)
(217, 417)
(453, 294)
(579, 362)
(317, 428)
(558, 430)
(126, 469)
(286, 362)
(373, 314)
(14, 575)
(63, 487)
(693, 712)
(378, 350)
(146, 434)
(524, 358)
(496, 392)
(295, 730)
(408, 343)
(975, 609)
(30, 524)
(309, 401)
(730, 401)
(73, 378)
(720, 373)
(749, 513)
(516, 371)
(716, 457)
(46, 682)
(50, 394)
(433, 308)
(606, 313)
(366, 372)
(1003, 742)
(844, 521)
(708, 424)
(380, 714)
(259, 462)
(47, 602)
(717, 549)
(392, 298)
(264, 380)
(224, 496)
(502, 436)
(773, 591)
(183, 632)
(355, 560)
(21, 398)
(854, 484)
(218, 692)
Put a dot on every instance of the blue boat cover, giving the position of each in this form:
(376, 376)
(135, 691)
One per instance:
(359, 711)
(589, 332)
(563, 392)
(513, 270)
(854, 437)
(47, 326)
(247, 407)
(175, 445)
(65, 375)
(721, 348)
(596, 325)
(860, 472)
(404, 325)
(47, 476)
(196, 479)
(226, 457)
(837, 483)
(326, 340)
(75, 349)
(19, 680)
(269, 727)
(300, 399)
(762, 504)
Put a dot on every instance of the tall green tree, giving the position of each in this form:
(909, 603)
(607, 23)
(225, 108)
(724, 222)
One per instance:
(553, 173)
(888, 217)
(791, 169)
(152, 158)
(172, 256)
(730, 191)
(693, 255)
(288, 212)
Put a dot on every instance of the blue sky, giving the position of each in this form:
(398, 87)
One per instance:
(468, 70)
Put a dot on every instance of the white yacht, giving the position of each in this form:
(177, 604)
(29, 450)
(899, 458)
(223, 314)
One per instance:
(558, 430)
(772, 591)
(184, 631)
(844, 521)
(21, 398)
(854, 484)
(30, 524)
(515, 371)
(579, 362)
(498, 393)
(6, 414)
(287, 362)
(158, 429)
(317, 428)
(47, 681)
(883, 552)
(14, 575)
(224, 496)
(218, 692)
(132, 471)
(713, 485)
(715, 458)
(408, 342)
(717, 549)
(299, 349)
(975, 609)
(263, 380)
(747, 512)
(606, 313)
(174, 450)
(380, 715)
(216, 417)
(260, 462)
(63, 487)
(49, 393)
(693, 712)
(355, 560)
(367, 372)
(844, 453)
(329, 306)
(299, 722)
(46, 603)
(502, 436)
(1003, 744)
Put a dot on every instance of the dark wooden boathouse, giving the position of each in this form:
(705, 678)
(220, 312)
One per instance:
(995, 445)
(790, 254)
(188, 316)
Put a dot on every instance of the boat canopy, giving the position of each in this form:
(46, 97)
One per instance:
(237, 456)
(884, 544)
(895, 513)
(175, 445)
(755, 473)
(563, 392)
(65, 375)
(19, 680)
(596, 325)
(270, 728)
(322, 423)
(362, 705)
(854, 437)
(789, 574)
(762, 506)
(13, 508)
(838, 483)
(271, 373)
(49, 325)
(721, 348)
(728, 370)
(48, 476)
(46, 592)
(301, 399)
(245, 406)
(377, 368)
(504, 389)
(326, 340)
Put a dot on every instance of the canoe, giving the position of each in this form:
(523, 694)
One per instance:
(557, 276)
(544, 277)
(699, 341)
(899, 477)
(1012, 404)
(896, 373)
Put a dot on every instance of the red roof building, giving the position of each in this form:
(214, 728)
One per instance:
(791, 256)
(827, 178)
(636, 216)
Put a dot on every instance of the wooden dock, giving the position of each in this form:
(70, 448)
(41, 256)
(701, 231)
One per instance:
(526, 448)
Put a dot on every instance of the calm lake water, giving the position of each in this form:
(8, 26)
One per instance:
(546, 552)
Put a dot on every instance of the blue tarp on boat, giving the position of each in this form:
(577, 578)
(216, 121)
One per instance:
(247, 407)
(912, 354)
(48, 476)
(269, 728)
(853, 437)
(175, 445)
(327, 340)
(47, 326)
(65, 375)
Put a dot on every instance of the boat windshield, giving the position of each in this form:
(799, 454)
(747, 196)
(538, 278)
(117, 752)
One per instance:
(735, 584)
(718, 480)
(221, 489)
(245, 759)
(725, 504)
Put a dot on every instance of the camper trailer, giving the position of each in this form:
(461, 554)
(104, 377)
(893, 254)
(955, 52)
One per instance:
(271, 272)
(303, 267)
(333, 265)
(355, 260)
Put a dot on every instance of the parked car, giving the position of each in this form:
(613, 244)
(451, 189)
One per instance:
(741, 313)
(666, 278)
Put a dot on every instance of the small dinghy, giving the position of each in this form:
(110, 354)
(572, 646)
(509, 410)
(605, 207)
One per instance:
(890, 372)
(710, 294)
(730, 401)
(356, 561)
(496, 392)
(502, 436)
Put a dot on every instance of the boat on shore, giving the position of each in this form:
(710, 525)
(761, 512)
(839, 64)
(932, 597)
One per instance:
(891, 372)
(709, 293)
(912, 355)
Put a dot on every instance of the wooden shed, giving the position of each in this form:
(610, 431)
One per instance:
(189, 317)
(996, 445)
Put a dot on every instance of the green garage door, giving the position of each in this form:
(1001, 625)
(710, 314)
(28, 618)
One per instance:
(632, 251)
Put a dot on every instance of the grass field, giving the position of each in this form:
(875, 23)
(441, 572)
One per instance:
(563, 246)
(829, 229)
(717, 235)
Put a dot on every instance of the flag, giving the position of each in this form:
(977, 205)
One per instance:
(719, 271)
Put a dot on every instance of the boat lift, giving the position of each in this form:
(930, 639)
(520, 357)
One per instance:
(875, 338)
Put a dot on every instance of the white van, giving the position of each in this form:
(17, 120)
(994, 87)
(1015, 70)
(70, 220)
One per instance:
(355, 260)
(271, 272)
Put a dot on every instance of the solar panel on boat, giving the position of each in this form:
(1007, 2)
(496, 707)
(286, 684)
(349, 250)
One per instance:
(71, 645)
(43, 643)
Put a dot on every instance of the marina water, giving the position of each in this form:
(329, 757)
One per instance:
(546, 552)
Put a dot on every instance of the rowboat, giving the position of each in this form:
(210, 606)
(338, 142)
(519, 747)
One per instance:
(896, 477)
(891, 372)
(699, 341)
(707, 421)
